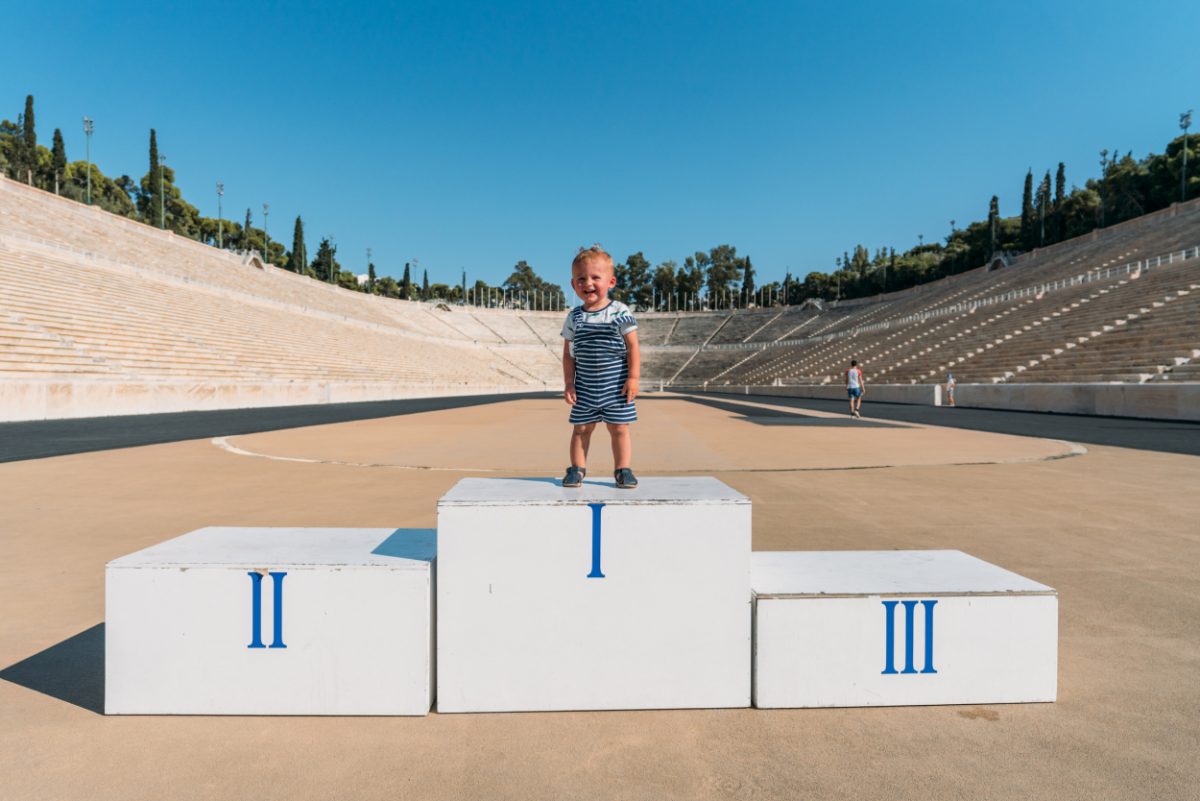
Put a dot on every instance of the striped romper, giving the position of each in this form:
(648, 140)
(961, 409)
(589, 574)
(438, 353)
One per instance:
(601, 363)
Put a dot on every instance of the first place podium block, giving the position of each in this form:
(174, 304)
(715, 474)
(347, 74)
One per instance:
(896, 628)
(593, 598)
(273, 621)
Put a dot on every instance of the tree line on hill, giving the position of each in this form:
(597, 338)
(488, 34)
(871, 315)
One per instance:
(714, 279)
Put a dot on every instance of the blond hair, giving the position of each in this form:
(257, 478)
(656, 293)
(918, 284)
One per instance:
(594, 253)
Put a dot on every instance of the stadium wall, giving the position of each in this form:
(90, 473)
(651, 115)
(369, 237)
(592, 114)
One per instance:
(921, 394)
(1157, 401)
(55, 400)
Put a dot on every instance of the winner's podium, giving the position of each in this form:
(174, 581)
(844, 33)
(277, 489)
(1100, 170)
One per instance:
(895, 628)
(593, 598)
(273, 621)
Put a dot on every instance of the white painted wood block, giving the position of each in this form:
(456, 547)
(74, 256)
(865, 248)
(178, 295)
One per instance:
(273, 621)
(593, 598)
(898, 628)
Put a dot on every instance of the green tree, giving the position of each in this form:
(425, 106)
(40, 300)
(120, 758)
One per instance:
(388, 287)
(1043, 207)
(525, 282)
(747, 281)
(325, 266)
(723, 270)
(1027, 215)
(425, 284)
(665, 285)
(149, 201)
(371, 282)
(58, 160)
(246, 241)
(406, 283)
(298, 258)
(26, 161)
(633, 281)
(1060, 195)
(993, 225)
(689, 281)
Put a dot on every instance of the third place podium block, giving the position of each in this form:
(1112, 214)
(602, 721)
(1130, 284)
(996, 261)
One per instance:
(894, 628)
(593, 598)
(273, 621)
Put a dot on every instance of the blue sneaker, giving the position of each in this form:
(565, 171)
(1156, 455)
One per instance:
(574, 476)
(625, 478)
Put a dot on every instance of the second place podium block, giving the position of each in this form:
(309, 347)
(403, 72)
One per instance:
(273, 621)
(593, 598)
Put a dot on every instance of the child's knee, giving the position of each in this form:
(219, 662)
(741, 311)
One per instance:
(617, 429)
(585, 429)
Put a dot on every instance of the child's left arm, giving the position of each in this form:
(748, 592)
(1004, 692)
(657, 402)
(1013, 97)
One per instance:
(635, 366)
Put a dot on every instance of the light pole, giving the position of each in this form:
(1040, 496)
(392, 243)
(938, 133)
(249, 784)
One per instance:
(89, 125)
(162, 200)
(1185, 122)
(220, 222)
(266, 238)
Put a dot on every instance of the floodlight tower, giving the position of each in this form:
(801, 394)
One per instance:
(89, 125)
(1185, 122)
(266, 237)
(220, 222)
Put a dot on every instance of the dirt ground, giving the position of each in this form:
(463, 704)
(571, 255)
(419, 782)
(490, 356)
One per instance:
(1116, 531)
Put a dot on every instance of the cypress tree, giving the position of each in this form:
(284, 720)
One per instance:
(993, 224)
(1043, 206)
(1060, 194)
(58, 159)
(406, 283)
(425, 284)
(246, 232)
(1027, 238)
(371, 277)
(153, 201)
(29, 137)
(298, 258)
(27, 159)
(747, 281)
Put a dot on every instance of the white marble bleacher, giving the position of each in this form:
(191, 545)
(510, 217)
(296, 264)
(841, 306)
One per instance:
(507, 327)
(546, 326)
(148, 329)
(131, 303)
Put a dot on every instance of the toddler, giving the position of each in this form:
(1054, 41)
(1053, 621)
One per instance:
(601, 366)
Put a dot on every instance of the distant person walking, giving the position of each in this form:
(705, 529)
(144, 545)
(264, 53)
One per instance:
(951, 383)
(855, 387)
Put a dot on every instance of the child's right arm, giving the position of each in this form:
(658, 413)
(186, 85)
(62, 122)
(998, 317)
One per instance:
(568, 373)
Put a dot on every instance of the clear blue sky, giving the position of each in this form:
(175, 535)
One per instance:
(474, 135)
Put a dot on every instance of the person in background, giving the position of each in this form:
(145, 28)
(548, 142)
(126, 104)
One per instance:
(855, 387)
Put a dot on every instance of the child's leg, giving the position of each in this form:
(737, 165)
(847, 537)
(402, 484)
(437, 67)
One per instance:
(581, 439)
(622, 445)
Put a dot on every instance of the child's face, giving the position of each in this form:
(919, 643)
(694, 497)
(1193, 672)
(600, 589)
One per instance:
(591, 281)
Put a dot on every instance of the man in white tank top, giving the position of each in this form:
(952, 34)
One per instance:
(855, 387)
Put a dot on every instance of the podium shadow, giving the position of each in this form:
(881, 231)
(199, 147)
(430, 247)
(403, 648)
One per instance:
(71, 671)
(419, 544)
